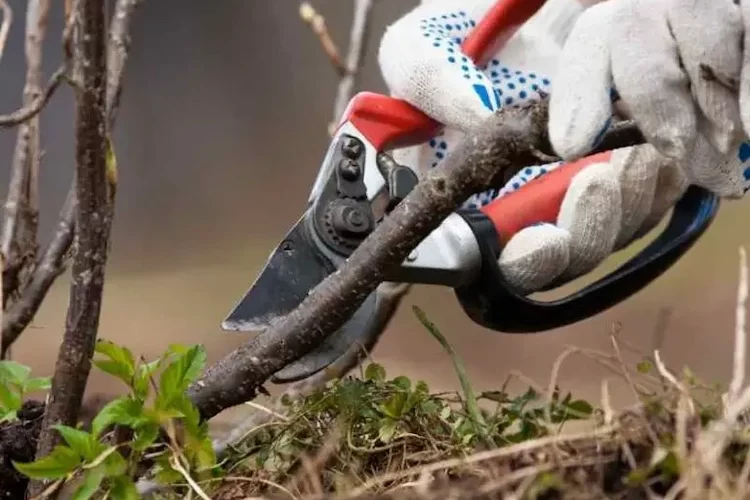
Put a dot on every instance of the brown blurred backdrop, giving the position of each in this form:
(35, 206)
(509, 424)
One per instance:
(221, 131)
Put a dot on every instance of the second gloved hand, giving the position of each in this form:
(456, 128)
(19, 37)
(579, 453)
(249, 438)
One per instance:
(677, 68)
(607, 205)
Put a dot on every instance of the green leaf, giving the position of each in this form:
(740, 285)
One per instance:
(92, 479)
(375, 372)
(644, 367)
(581, 407)
(142, 380)
(123, 489)
(58, 464)
(10, 398)
(120, 362)
(387, 431)
(80, 441)
(16, 373)
(402, 383)
(122, 411)
(115, 464)
(181, 372)
(145, 435)
(394, 406)
(38, 384)
(202, 452)
(445, 412)
(165, 474)
(8, 415)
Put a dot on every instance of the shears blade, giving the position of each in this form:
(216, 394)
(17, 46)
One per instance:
(292, 271)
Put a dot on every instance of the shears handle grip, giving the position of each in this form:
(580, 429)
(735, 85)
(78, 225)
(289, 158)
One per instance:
(492, 302)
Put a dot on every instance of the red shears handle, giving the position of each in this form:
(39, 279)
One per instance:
(389, 123)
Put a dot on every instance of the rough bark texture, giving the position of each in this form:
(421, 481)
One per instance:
(510, 139)
(93, 218)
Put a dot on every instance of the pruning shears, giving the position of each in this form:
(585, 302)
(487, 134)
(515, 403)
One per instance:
(357, 185)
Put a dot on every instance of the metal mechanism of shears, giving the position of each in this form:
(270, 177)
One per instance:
(359, 183)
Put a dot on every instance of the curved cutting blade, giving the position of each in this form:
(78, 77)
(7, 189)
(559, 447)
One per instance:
(295, 267)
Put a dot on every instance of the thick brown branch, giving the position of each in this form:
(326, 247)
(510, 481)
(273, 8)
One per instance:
(506, 141)
(93, 220)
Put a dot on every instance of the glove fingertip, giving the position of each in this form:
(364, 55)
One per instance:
(535, 257)
(574, 130)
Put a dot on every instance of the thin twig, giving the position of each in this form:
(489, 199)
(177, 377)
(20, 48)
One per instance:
(93, 221)
(358, 44)
(318, 24)
(5, 26)
(711, 443)
(175, 463)
(118, 49)
(740, 345)
(27, 112)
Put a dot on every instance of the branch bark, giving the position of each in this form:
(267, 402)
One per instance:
(18, 241)
(508, 140)
(93, 215)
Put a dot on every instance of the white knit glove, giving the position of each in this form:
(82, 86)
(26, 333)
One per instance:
(676, 66)
(606, 206)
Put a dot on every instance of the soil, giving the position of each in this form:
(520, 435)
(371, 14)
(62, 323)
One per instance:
(18, 443)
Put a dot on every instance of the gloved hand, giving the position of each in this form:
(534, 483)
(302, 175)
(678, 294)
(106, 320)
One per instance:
(607, 204)
(676, 66)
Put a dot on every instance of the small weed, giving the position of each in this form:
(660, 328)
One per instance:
(163, 427)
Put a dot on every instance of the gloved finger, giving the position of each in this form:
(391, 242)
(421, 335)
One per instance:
(648, 76)
(670, 187)
(591, 212)
(637, 172)
(535, 256)
(580, 108)
(421, 62)
(709, 36)
(721, 174)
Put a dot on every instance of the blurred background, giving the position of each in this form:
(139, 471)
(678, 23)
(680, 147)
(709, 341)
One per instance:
(222, 128)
